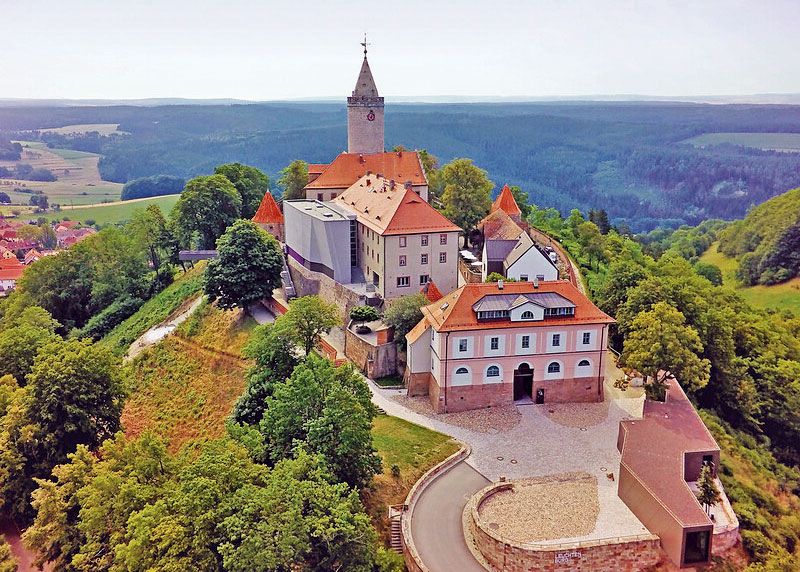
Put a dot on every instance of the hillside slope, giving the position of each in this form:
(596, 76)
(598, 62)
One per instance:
(766, 243)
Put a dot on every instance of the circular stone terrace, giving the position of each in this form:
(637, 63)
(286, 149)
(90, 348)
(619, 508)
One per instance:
(541, 508)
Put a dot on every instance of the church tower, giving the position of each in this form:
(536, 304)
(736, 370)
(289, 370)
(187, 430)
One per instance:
(365, 113)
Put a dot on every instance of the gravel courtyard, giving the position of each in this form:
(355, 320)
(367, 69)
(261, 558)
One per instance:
(546, 440)
(544, 508)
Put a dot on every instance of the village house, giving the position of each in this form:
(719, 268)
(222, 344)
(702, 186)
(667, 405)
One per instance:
(502, 343)
(508, 248)
(11, 270)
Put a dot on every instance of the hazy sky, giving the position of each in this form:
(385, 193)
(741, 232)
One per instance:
(294, 48)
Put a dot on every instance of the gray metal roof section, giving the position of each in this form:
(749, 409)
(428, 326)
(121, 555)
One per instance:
(499, 249)
(509, 301)
(524, 243)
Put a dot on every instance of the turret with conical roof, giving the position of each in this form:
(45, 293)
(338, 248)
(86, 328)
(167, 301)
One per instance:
(365, 113)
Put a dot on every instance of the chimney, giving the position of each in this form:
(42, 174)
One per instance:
(499, 284)
(408, 185)
(535, 282)
(391, 184)
(369, 182)
(360, 158)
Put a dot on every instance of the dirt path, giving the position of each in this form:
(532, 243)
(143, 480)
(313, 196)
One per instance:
(162, 330)
(574, 271)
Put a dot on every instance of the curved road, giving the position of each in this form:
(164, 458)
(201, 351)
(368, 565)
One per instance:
(437, 526)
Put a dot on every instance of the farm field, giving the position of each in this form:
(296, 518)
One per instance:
(785, 296)
(78, 183)
(115, 212)
(789, 142)
(101, 128)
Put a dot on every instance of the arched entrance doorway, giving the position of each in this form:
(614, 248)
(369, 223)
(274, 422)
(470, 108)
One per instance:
(523, 382)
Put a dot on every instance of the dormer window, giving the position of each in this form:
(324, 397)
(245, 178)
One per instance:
(527, 315)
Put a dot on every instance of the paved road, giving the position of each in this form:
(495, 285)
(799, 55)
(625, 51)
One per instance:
(436, 526)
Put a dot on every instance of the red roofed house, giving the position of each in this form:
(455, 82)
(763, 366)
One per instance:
(377, 232)
(508, 248)
(11, 271)
(431, 292)
(269, 216)
(499, 343)
(662, 455)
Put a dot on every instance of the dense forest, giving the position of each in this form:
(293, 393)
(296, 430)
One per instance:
(767, 242)
(627, 158)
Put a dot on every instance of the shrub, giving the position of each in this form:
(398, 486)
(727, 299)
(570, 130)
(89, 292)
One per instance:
(102, 323)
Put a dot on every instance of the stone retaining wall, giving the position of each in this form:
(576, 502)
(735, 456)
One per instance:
(413, 561)
(375, 361)
(308, 283)
(620, 554)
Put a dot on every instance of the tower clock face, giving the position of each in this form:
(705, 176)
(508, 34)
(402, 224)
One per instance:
(371, 115)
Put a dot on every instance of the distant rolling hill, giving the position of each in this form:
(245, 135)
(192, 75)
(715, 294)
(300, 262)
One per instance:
(627, 157)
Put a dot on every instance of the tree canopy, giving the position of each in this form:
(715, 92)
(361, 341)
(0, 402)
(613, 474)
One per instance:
(251, 184)
(247, 267)
(308, 318)
(294, 178)
(466, 193)
(403, 314)
(207, 206)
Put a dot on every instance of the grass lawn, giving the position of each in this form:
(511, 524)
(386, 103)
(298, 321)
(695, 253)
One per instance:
(785, 296)
(114, 212)
(389, 381)
(414, 449)
(183, 390)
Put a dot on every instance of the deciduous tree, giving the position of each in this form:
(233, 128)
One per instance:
(661, 346)
(247, 267)
(466, 195)
(21, 338)
(708, 494)
(308, 318)
(207, 206)
(403, 314)
(251, 184)
(294, 178)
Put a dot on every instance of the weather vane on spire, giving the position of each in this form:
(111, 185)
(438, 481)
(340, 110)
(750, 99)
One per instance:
(365, 44)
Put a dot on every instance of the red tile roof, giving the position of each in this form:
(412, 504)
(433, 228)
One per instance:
(11, 273)
(505, 201)
(454, 312)
(317, 168)
(8, 263)
(388, 210)
(347, 168)
(431, 292)
(498, 225)
(268, 212)
(653, 450)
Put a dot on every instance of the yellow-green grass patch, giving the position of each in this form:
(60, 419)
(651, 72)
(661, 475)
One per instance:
(784, 296)
(113, 213)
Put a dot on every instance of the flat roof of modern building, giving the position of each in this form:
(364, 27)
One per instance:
(320, 210)
(654, 448)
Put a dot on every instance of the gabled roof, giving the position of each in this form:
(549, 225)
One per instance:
(415, 332)
(11, 273)
(268, 211)
(347, 168)
(388, 209)
(497, 225)
(653, 449)
(316, 168)
(455, 311)
(505, 202)
(8, 263)
(431, 292)
(498, 249)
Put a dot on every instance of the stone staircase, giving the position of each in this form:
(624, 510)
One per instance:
(396, 536)
(286, 281)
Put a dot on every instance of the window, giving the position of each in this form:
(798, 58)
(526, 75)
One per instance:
(333, 196)
(402, 260)
(442, 239)
(584, 363)
(442, 257)
(494, 343)
(461, 371)
(379, 257)
(554, 367)
(556, 340)
(523, 277)
(424, 240)
(526, 342)
(540, 276)
(403, 281)
(527, 315)
(462, 345)
(319, 196)
(493, 371)
(423, 258)
(402, 242)
(423, 279)
(587, 338)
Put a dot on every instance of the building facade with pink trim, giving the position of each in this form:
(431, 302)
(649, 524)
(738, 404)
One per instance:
(496, 344)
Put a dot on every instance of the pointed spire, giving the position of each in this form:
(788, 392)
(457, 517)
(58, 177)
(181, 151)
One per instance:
(505, 202)
(365, 85)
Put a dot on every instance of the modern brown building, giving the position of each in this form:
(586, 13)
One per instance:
(662, 455)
